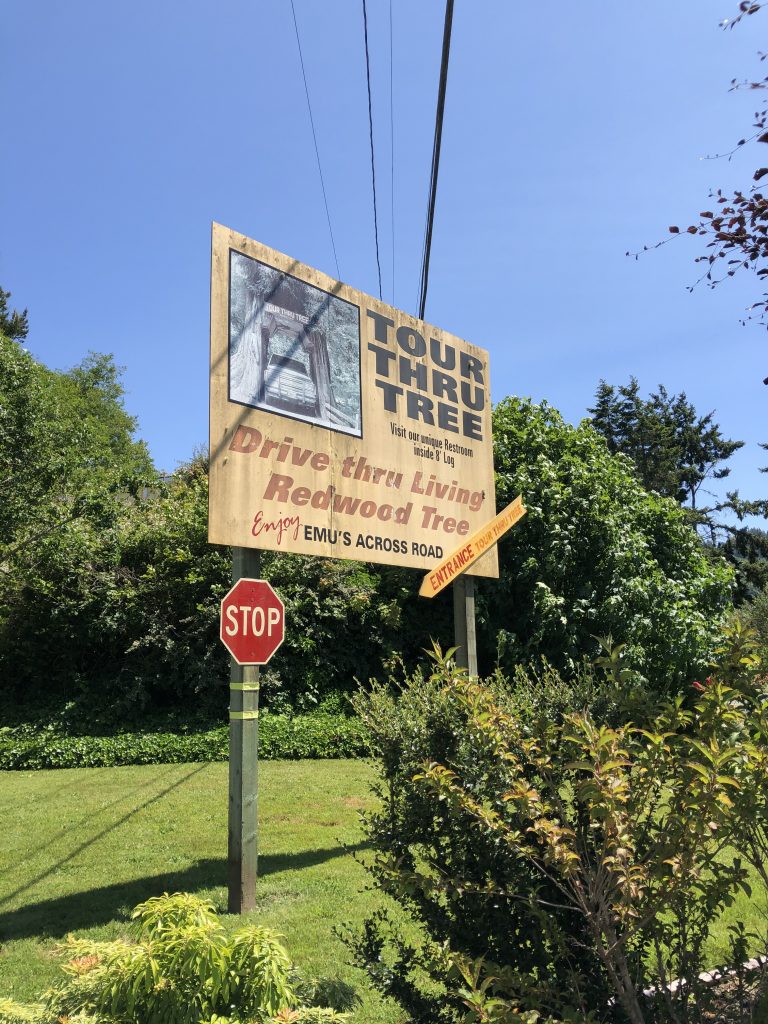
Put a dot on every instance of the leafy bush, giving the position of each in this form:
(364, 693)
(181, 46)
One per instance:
(314, 735)
(179, 967)
(596, 555)
(111, 591)
(125, 613)
(755, 617)
(16, 1013)
(558, 865)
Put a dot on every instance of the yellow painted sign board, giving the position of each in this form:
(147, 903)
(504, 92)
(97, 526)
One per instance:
(475, 547)
(340, 426)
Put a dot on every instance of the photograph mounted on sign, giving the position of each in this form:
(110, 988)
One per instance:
(294, 350)
(340, 426)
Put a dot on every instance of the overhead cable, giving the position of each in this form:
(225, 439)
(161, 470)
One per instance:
(392, 148)
(314, 137)
(370, 135)
(427, 249)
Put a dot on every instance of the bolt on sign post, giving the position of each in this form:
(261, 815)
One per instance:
(252, 627)
(340, 426)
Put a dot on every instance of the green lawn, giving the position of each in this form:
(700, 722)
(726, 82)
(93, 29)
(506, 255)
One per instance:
(80, 847)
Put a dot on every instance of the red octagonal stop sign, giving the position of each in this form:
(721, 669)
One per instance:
(252, 622)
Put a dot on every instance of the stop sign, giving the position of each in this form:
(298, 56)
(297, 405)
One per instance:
(252, 622)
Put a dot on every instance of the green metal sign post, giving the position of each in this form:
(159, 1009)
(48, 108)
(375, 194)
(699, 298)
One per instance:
(244, 765)
(252, 627)
(242, 847)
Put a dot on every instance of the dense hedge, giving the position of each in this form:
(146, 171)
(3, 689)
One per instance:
(314, 735)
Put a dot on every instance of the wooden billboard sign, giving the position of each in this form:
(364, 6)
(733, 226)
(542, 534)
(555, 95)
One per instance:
(475, 547)
(339, 425)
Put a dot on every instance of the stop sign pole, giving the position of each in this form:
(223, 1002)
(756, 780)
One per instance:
(242, 844)
(252, 627)
(244, 744)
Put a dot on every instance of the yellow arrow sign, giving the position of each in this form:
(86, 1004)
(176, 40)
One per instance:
(460, 560)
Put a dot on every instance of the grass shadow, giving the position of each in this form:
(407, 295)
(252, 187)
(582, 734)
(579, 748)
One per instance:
(53, 868)
(55, 918)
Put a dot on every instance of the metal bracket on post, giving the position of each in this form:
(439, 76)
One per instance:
(465, 639)
(242, 851)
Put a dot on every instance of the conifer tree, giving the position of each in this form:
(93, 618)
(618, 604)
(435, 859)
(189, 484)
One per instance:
(13, 325)
(674, 449)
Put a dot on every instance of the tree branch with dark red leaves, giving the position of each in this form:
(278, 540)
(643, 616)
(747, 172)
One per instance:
(736, 228)
(745, 9)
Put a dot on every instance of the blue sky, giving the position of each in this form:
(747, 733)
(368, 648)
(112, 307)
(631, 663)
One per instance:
(573, 132)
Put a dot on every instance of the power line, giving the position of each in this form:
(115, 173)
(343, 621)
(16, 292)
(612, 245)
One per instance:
(370, 134)
(392, 149)
(314, 136)
(435, 158)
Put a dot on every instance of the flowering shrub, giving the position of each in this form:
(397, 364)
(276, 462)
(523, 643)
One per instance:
(558, 866)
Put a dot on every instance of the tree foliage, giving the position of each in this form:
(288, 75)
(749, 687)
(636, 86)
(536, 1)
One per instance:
(68, 465)
(124, 600)
(735, 229)
(13, 325)
(675, 452)
(596, 555)
(66, 447)
(747, 550)
(109, 587)
(674, 449)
